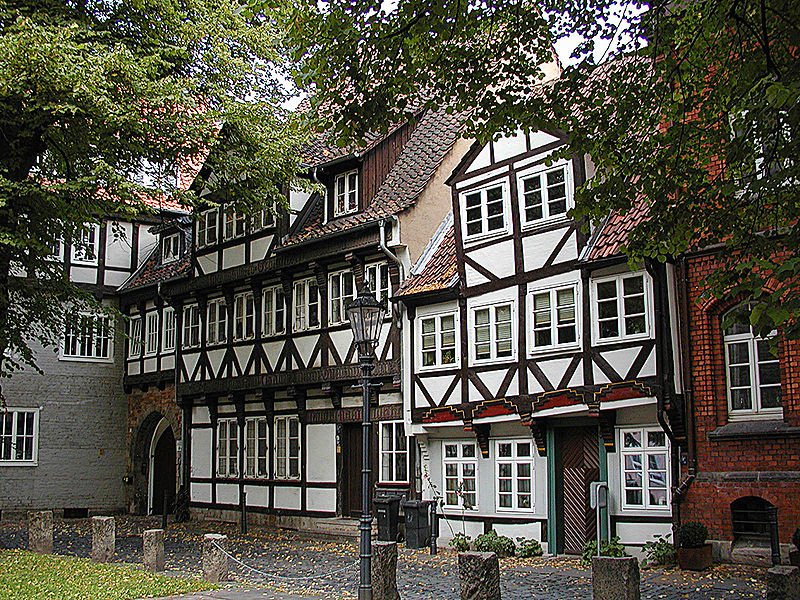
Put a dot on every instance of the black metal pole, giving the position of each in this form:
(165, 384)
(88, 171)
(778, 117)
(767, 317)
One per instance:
(243, 519)
(434, 528)
(164, 511)
(774, 542)
(365, 524)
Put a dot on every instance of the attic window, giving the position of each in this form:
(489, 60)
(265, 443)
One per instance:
(170, 248)
(345, 193)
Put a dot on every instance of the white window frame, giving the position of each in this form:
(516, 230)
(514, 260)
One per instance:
(263, 219)
(273, 303)
(151, 333)
(459, 461)
(484, 220)
(170, 248)
(645, 451)
(235, 223)
(108, 325)
(168, 329)
(232, 468)
(647, 286)
(514, 460)
(756, 411)
(302, 310)
(473, 340)
(532, 311)
(207, 222)
(256, 448)
(381, 271)
(542, 171)
(216, 321)
(337, 299)
(438, 345)
(349, 193)
(85, 250)
(13, 434)
(285, 460)
(191, 326)
(244, 316)
(135, 337)
(391, 453)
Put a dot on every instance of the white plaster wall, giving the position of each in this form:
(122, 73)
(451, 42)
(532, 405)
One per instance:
(257, 495)
(228, 493)
(233, 257)
(200, 492)
(321, 453)
(321, 499)
(259, 248)
(200, 414)
(207, 263)
(287, 497)
(83, 274)
(201, 453)
(118, 244)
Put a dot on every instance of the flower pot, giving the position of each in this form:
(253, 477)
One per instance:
(794, 558)
(695, 559)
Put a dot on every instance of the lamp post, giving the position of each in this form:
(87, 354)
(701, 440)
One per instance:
(366, 319)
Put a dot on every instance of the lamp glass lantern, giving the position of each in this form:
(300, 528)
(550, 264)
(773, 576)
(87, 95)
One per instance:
(366, 319)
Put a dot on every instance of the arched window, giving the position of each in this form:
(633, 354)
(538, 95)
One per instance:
(752, 368)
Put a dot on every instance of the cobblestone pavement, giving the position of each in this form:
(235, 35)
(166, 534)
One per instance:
(292, 555)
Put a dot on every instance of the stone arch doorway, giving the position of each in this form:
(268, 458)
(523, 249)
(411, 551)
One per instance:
(154, 458)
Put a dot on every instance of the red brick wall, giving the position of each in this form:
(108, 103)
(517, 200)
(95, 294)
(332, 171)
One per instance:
(141, 404)
(708, 499)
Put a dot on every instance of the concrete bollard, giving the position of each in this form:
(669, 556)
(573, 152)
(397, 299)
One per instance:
(615, 578)
(783, 583)
(40, 531)
(215, 561)
(479, 574)
(103, 539)
(384, 571)
(153, 549)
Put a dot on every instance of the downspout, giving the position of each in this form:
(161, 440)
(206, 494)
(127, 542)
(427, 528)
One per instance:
(396, 260)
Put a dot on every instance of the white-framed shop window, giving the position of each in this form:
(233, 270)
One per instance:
(341, 291)
(493, 332)
(437, 341)
(168, 343)
(484, 211)
(191, 326)
(227, 448)
(644, 468)
(151, 333)
(554, 317)
(207, 227)
(287, 447)
(621, 307)
(514, 473)
(19, 437)
(460, 468)
(306, 304)
(85, 246)
(393, 450)
(256, 441)
(89, 337)
(216, 321)
(244, 316)
(546, 194)
(274, 307)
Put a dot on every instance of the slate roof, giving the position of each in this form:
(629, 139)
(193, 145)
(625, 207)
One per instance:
(437, 268)
(425, 150)
(610, 238)
(152, 271)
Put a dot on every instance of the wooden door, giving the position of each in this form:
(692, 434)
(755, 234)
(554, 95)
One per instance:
(577, 465)
(164, 472)
(351, 468)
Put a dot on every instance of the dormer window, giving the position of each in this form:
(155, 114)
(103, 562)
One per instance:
(345, 193)
(170, 248)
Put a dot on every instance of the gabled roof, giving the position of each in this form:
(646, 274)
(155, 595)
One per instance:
(152, 271)
(425, 150)
(610, 238)
(437, 267)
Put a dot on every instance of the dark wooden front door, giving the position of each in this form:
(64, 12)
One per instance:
(164, 472)
(351, 468)
(577, 465)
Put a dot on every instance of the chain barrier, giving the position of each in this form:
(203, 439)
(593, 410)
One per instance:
(282, 577)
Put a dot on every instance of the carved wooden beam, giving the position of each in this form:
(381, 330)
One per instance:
(268, 400)
(539, 432)
(335, 392)
(357, 266)
(238, 402)
(607, 420)
(482, 433)
(299, 396)
(321, 275)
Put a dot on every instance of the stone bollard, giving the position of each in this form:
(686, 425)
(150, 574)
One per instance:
(40, 531)
(615, 578)
(479, 573)
(384, 571)
(783, 583)
(215, 561)
(103, 539)
(153, 549)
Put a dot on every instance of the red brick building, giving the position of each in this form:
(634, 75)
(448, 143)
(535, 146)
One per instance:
(743, 402)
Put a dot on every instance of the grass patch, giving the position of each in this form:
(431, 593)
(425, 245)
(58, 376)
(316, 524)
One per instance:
(38, 577)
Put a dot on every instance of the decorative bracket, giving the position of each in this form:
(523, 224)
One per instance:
(299, 395)
(482, 433)
(539, 432)
(607, 420)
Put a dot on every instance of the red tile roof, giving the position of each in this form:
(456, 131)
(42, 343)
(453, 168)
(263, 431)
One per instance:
(429, 143)
(437, 269)
(612, 236)
(152, 271)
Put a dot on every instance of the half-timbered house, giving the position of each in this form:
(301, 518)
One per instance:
(536, 361)
(264, 365)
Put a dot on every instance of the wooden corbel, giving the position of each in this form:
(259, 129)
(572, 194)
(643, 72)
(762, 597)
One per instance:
(335, 393)
(539, 433)
(268, 400)
(299, 396)
(607, 420)
(482, 433)
(357, 266)
(238, 402)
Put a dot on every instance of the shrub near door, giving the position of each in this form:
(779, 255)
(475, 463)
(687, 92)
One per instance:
(694, 554)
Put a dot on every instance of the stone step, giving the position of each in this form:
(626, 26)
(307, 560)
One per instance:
(338, 527)
(752, 554)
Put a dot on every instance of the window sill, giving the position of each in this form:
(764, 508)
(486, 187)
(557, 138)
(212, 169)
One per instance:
(479, 237)
(544, 351)
(83, 359)
(754, 429)
(619, 340)
(19, 463)
(547, 223)
(438, 368)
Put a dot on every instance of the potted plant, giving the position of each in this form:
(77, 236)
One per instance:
(694, 554)
(794, 555)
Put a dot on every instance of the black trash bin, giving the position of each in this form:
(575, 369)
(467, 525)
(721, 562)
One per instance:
(418, 523)
(388, 510)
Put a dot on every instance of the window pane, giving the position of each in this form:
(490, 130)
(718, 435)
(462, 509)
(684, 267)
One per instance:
(504, 449)
(633, 497)
(633, 285)
(634, 325)
(633, 462)
(607, 289)
(656, 439)
(451, 450)
(740, 399)
(504, 469)
(658, 497)
(770, 397)
(468, 450)
(632, 439)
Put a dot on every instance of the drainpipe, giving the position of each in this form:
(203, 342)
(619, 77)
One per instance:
(396, 310)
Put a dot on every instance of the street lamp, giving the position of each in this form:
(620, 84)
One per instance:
(366, 319)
